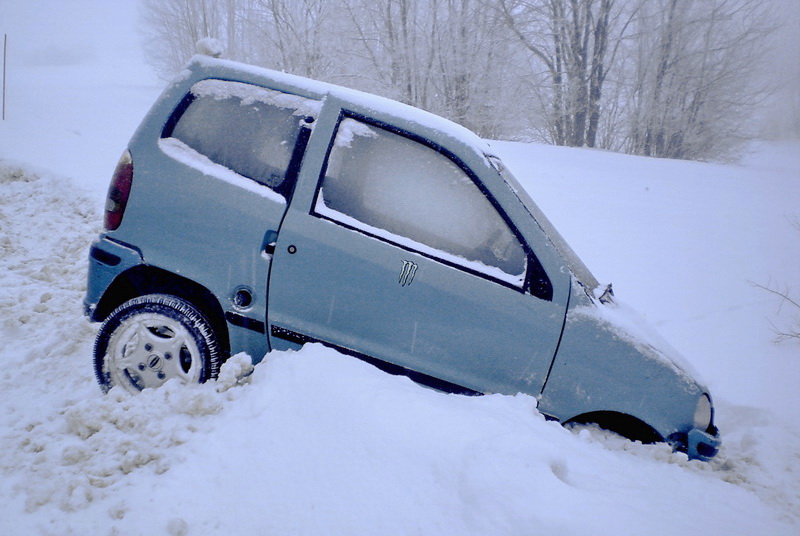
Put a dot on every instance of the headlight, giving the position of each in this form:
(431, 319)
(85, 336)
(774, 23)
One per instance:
(703, 413)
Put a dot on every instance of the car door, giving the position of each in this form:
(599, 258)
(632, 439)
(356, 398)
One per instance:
(404, 257)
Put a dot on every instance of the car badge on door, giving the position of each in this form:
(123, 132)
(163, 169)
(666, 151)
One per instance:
(407, 273)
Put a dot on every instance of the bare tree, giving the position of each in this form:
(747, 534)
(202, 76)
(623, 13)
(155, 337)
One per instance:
(786, 299)
(446, 56)
(669, 78)
(575, 42)
(173, 28)
(290, 35)
(394, 38)
(791, 332)
(297, 36)
(693, 90)
(474, 56)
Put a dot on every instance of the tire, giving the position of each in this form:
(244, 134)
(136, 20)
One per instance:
(621, 424)
(154, 338)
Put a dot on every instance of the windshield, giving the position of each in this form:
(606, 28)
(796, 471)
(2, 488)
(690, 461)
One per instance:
(574, 263)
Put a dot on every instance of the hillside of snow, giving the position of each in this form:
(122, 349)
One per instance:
(318, 443)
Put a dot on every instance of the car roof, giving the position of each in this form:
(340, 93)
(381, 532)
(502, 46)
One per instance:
(432, 126)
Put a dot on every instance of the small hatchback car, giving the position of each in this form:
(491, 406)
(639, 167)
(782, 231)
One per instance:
(255, 210)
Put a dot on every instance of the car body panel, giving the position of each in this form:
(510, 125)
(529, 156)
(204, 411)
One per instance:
(108, 260)
(596, 352)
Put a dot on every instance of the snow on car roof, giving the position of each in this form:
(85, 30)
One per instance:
(376, 103)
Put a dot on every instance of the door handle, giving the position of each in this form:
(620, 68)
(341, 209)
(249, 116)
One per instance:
(270, 239)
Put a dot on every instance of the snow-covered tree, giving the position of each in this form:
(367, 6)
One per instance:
(297, 36)
(572, 45)
(692, 89)
(669, 78)
(173, 28)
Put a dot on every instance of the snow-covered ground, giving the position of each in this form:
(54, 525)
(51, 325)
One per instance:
(319, 443)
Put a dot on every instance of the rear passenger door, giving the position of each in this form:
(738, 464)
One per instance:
(404, 257)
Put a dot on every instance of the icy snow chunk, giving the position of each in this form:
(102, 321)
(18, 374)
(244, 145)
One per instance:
(349, 129)
(208, 46)
(235, 371)
(250, 94)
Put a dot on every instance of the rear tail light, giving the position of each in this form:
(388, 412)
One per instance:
(118, 192)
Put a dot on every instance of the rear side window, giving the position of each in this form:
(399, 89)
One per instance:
(396, 188)
(249, 130)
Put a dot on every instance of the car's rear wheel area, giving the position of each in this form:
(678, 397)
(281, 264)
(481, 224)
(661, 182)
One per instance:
(152, 339)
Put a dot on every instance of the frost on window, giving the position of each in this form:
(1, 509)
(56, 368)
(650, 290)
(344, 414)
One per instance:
(395, 184)
(247, 129)
(349, 129)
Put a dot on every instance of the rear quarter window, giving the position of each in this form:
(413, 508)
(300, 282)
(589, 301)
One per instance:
(249, 130)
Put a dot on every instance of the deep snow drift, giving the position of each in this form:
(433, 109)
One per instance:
(317, 442)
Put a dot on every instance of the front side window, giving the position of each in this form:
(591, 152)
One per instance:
(249, 130)
(399, 189)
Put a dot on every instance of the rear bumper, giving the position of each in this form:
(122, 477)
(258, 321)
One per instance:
(107, 260)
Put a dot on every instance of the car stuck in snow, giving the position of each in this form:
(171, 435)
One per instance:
(255, 210)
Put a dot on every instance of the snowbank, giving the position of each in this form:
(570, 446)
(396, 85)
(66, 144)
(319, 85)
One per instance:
(315, 442)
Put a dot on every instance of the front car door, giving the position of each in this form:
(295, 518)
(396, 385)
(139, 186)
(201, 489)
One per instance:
(402, 255)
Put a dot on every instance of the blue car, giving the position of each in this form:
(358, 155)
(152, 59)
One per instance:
(256, 211)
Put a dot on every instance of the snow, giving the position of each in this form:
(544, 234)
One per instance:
(348, 130)
(367, 101)
(313, 442)
(209, 46)
(248, 94)
(186, 155)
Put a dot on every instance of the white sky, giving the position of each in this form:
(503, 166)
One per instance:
(73, 32)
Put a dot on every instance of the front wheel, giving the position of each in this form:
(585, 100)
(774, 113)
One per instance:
(151, 339)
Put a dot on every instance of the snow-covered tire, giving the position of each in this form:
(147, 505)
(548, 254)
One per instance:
(151, 339)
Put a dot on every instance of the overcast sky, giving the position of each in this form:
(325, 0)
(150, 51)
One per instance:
(72, 32)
